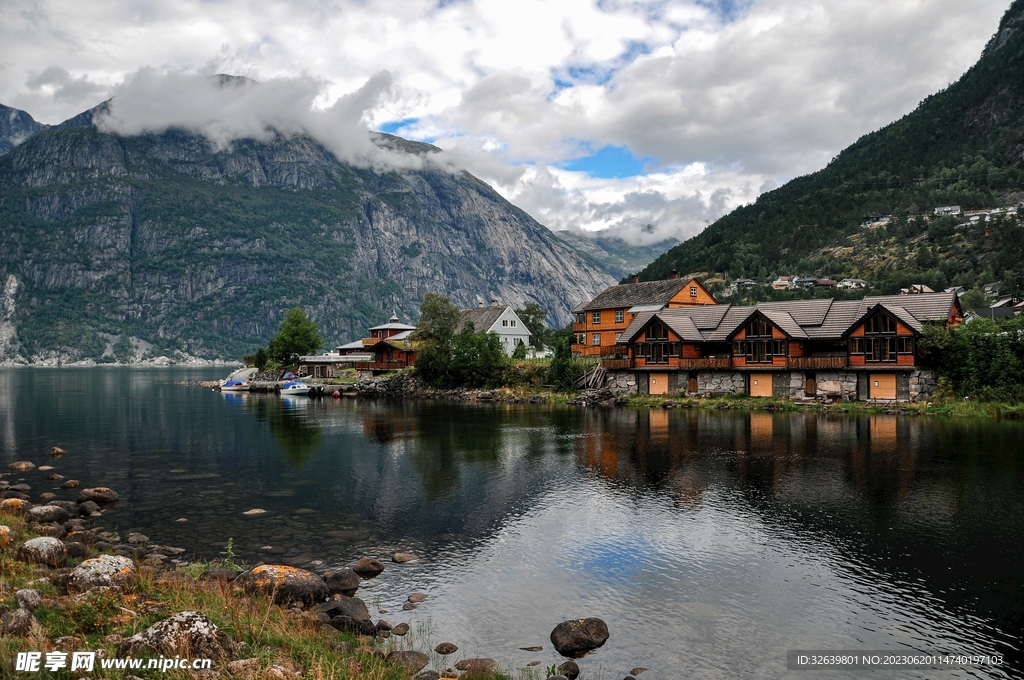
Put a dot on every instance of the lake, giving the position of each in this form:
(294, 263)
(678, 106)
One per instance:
(711, 542)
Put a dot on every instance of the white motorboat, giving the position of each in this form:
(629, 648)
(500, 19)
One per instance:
(234, 386)
(294, 388)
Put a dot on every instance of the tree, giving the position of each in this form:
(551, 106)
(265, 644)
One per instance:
(520, 352)
(123, 349)
(562, 373)
(260, 359)
(973, 299)
(532, 316)
(436, 333)
(297, 335)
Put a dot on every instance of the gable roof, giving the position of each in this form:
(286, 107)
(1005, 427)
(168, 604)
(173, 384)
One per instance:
(924, 306)
(626, 295)
(484, 318)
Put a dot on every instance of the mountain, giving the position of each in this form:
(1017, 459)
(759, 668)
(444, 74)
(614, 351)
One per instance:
(179, 246)
(15, 127)
(613, 255)
(962, 146)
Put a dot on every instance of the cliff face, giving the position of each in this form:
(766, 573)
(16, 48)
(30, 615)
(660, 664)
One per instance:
(182, 246)
(15, 127)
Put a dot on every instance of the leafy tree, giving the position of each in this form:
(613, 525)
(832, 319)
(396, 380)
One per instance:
(438, 320)
(520, 352)
(297, 335)
(973, 299)
(260, 359)
(563, 372)
(532, 316)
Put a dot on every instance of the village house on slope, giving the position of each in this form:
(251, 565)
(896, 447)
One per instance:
(501, 320)
(834, 349)
(601, 321)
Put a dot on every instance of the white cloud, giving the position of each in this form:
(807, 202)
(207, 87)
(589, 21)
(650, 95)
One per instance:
(751, 97)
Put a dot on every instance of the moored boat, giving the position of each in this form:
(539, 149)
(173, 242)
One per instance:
(294, 388)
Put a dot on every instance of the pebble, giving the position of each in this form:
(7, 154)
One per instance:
(21, 466)
(181, 519)
(71, 484)
(45, 468)
(400, 629)
(637, 671)
(255, 511)
(416, 598)
(55, 477)
(402, 558)
(408, 606)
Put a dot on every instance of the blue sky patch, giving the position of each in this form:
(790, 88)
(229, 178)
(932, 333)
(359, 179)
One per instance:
(394, 126)
(608, 162)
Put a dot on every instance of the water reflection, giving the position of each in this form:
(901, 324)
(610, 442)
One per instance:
(699, 535)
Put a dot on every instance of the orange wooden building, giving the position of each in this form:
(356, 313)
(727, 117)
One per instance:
(600, 322)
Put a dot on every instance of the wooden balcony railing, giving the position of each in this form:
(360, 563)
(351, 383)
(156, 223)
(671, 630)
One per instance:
(712, 363)
(616, 364)
(378, 365)
(579, 328)
(818, 362)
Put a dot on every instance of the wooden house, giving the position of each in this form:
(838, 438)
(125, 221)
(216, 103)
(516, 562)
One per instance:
(866, 349)
(600, 322)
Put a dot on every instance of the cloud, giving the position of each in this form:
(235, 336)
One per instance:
(722, 99)
(225, 109)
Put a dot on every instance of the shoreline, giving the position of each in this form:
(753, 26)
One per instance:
(68, 583)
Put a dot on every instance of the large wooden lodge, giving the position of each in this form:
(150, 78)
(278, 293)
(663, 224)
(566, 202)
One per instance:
(672, 337)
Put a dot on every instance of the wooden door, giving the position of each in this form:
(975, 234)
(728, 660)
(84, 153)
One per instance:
(659, 383)
(882, 386)
(760, 384)
(691, 385)
(811, 387)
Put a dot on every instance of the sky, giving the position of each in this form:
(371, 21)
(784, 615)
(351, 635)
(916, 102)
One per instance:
(648, 119)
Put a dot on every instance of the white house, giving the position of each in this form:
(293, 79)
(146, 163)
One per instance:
(500, 320)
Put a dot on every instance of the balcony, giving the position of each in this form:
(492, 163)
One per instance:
(818, 362)
(378, 365)
(579, 328)
(706, 363)
(616, 364)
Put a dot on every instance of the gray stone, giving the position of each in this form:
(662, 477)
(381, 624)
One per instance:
(288, 585)
(29, 599)
(446, 648)
(105, 571)
(19, 623)
(189, 634)
(368, 567)
(47, 513)
(575, 638)
(402, 557)
(570, 669)
(400, 629)
(70, 484)
(44, 550)
(98, 494)
(408, 659)
(21, 466)
(344, 581)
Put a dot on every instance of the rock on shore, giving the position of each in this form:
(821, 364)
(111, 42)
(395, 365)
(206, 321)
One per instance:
(187, 633)
(575, 638)
(288, 585)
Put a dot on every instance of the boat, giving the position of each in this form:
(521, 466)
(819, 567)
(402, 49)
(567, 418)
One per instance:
(238, 381)
(234, 386)
(293, 388)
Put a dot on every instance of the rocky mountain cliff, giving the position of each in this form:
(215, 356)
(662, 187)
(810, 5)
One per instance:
(180, 247)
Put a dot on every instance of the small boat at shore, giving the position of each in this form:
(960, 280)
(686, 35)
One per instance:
(294, 388)
(234, 386)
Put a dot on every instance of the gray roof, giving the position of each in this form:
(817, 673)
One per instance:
(482, 317)
(628, 295)
(799, 319)
(393, 324)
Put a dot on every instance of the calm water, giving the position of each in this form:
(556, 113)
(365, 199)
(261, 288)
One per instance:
(711, 542)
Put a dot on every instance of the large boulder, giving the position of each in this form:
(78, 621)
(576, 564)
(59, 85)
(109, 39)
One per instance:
(29, 599)
(44, 550)
(21, 466)
(287, 585)
(110, 571)
(47, 513)
(18, 623)
(14, 506)
(189, 634)
(348, 614)
(367, 567)
(408, 659)
(344, 581)
(98, 494)
(575, 638)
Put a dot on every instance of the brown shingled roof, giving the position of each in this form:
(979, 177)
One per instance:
(627, 295)
(482, 317)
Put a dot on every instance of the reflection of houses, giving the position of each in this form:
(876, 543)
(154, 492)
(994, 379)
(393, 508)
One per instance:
(600, 322)
(865, 349)
(387, 349)
(500, 320)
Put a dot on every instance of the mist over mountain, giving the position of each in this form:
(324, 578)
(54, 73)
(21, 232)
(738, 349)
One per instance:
(185, 241)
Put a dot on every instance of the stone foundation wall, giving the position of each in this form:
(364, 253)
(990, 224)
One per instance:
(721, 382)
(792, 385)
(923, 384)
(620, 382)
(836, 385)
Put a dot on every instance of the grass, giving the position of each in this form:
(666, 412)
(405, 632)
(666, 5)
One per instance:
(271, 633)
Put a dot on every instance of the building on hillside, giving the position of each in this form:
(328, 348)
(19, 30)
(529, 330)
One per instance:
(388, 348)
(991, 289)
(501, 320)
(825, 283)
(784, 283)
(947, 210)
(959, 290)
(601, 321)
(852, 284)
(915, 289)
(828, 349)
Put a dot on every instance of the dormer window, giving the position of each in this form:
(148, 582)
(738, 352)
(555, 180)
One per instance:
(880, 323)
(880, 342)
(693, 291)
(759, 347)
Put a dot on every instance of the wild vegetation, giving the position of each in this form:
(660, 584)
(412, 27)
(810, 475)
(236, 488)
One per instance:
(981, 360)
(961, 146)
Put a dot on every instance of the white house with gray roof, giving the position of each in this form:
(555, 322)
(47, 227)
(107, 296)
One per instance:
(501, 320)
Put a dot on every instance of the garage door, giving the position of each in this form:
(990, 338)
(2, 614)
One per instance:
(760, 384)
(882, 386)
(659, 383)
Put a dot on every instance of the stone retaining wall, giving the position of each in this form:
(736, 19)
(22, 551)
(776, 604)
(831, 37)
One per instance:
(721, 382)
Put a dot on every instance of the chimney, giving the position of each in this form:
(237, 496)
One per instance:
(494, 302)
(674, 274)
(480, 304)
(635, 278)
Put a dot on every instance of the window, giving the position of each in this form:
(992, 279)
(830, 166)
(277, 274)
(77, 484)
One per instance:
(880, 323)
(759, 328)
(657, 331)
(512, 322)
(760, 351)
(581, 339)
(596, 339)
(596, 317)
(619, 316)
(504, 323)
(693, 291)
(904, 345)
(581, 317)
